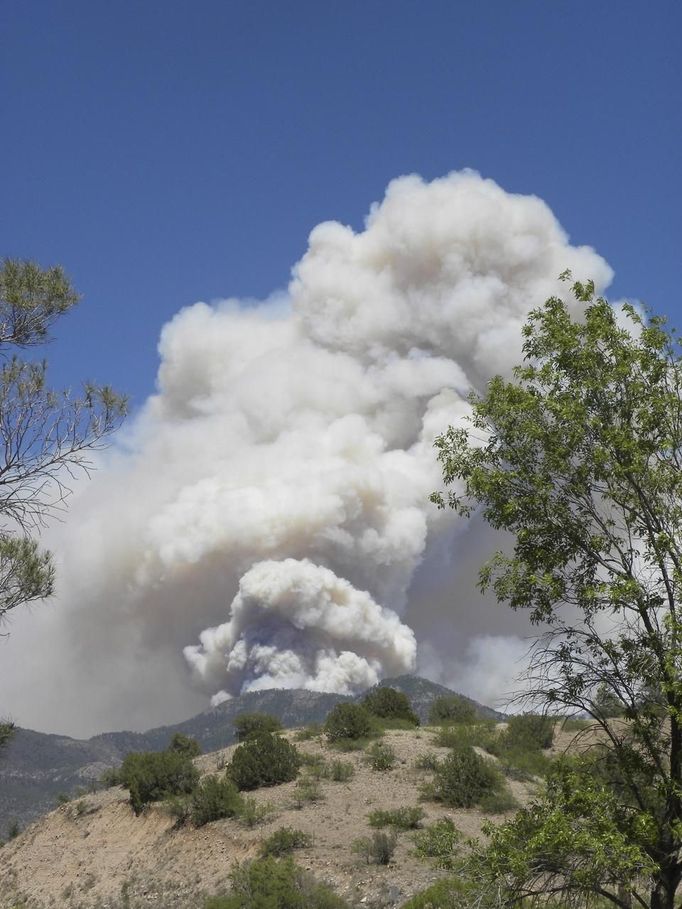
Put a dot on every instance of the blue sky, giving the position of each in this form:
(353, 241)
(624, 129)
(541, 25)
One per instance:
(166, 152)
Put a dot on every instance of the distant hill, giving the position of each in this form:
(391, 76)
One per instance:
(422, 693)
(36, 767)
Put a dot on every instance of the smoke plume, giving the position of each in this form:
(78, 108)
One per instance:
(267, 514)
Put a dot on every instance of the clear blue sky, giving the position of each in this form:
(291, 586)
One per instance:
(166, 152)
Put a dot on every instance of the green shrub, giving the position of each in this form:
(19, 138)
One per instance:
(264, 759)
(178, 807)
(285, 840)
(452, 708)
(427, 761)
(348, 721)
(377, 849)
(248, 724)
(500, 801)
(439, 843)
(315, 766)
(252, 813)
(150, 776)
(518, 764)
(390, 704)
(381, 757)
(341, 771)
(13, 829)
(463, 779)
(400, 818)
(184, 745)
(307, 790)
(269, 883)
(448, 893)
(459, 735)
(529, 732)
(214, 799)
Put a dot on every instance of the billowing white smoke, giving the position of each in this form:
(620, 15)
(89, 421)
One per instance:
(272, 498)
(328, 636)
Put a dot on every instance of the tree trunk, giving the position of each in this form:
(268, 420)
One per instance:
(663, 893)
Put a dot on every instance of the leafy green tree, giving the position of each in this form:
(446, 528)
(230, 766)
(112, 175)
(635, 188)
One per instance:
(264, 759)
(390, 704)
(452, 708)
(348, 721)
(529, 731)
(577, 459)
(464, 779)
(214, 799)
(45, 436)
(248, 724)
(151, 776)
(578, 839)
(184, 744)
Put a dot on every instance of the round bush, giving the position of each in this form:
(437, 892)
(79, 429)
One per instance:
(278, 884)
(381, 757)
(184, 745)
(529, 731)
(214, 799)
(448, 893)
(348, 721)
(390, 704)
(452, 709)
(464, 778)
(264, 759)
(439, 843)
(248, 724)
(152, 775)
(285, 840)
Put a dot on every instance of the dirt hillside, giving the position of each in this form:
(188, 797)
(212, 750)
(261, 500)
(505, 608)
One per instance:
(94, 853)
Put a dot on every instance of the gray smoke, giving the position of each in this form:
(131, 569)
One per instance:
(267, 514)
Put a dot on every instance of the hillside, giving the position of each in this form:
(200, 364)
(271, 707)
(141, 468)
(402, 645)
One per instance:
(94, 853)
(36, 768)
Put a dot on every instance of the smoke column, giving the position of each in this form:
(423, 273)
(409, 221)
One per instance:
(265, 522)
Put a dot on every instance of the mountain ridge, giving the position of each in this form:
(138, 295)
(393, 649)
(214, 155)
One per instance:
(37, 768)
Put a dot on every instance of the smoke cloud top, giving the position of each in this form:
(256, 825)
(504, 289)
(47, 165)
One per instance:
(265, 522)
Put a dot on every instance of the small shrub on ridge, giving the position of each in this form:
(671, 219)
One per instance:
(248, 724)
(529, 732)
(183, 744)
(214, 799)
(439, 843)
(377, 849)
(264, 759)
(348, 721)
(341, 771)
(150, 776)
(390, 704)
(269, 883)
(285, 840)
(448, 893)
(452, 708)
(399, 818)
(307, 790)
(463, 779)
(381, 757)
